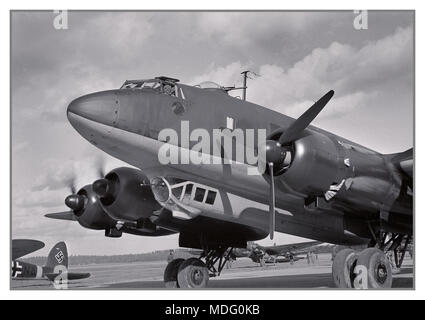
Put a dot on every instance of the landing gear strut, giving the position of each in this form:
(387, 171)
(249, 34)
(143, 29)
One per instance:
(373, 267)
(195, 272)
(217, 257)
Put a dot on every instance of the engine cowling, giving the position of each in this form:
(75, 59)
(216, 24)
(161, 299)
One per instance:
(314, 165)
(88, 210)
(322, 166)
(125, 194)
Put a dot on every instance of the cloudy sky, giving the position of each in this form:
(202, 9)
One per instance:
(298, 56)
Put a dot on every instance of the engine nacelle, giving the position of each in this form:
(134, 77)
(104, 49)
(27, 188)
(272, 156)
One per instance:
(326, 167)
(314, 166)
(92, 216)
(125, 194)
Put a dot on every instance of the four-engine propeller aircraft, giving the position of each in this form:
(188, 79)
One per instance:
(315, 184)
(276, 253)
(56, 265)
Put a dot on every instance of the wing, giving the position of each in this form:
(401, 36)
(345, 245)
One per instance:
(67, 276)
(292, 247)
(22, 247)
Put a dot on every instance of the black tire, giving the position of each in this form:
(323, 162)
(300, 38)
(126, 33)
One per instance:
(379, 272)
(193, 273)
(170, 273)
(342, 268)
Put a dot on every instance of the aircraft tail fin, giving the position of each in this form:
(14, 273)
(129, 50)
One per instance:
(58, 256)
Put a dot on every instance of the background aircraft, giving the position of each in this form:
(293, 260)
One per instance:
(56, 265)
(276, 253)
(316, 184)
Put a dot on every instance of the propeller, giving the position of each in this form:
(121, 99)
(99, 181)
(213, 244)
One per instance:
(71, 184)
(272, 210)
(276, 151)
(101, 187)
(297, 127)
(77, 201)
(73, 201)
(100, 167)
(65, 215)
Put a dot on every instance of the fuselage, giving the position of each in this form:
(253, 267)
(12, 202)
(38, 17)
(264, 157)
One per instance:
(24, 270)
(127, 122)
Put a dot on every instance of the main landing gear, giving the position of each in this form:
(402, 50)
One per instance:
(195, 272)
(373, 267)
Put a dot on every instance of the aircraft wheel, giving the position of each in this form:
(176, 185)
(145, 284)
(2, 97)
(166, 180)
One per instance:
(193, 273)
(343, 268)
(378, 268)
(170, 273)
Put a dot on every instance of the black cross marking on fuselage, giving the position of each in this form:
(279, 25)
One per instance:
(16, 269)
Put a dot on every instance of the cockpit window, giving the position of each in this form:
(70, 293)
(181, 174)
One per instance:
(156, 85)
(163, 85)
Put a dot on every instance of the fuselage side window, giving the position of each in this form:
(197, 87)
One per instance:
(211, 197)
(188, 192)
(199, 194)
(177, 192)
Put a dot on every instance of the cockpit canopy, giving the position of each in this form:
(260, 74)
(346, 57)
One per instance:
(169, 86)
(209, 85)
(161, 84)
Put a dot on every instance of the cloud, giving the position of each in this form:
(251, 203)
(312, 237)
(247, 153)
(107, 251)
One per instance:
(16, 148)
(44, 198)
(56, 176)
(346, 67)
(244, 28)
(336, 107)
(56, 66)
(226, 75)
(356, 75)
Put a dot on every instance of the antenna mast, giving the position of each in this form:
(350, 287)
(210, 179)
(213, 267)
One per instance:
(245, 76)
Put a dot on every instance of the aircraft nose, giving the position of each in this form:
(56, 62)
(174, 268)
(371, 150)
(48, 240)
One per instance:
(101, 107)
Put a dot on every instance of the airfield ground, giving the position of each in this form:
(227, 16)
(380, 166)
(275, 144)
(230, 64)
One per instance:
(244, 274)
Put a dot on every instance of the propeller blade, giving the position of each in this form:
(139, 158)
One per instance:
(66, 215)
(298, 126)
(100, 165)
(272, 211)
(72, 186)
